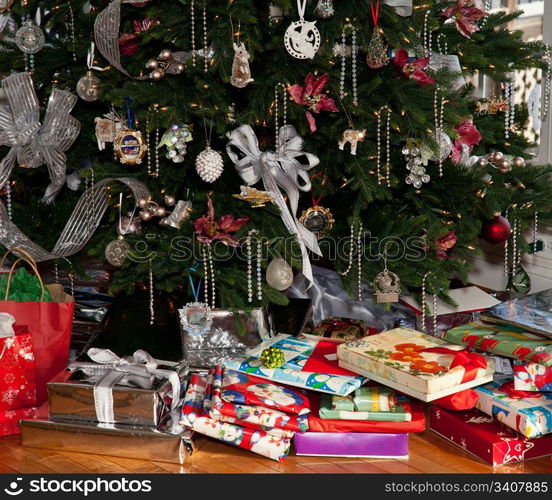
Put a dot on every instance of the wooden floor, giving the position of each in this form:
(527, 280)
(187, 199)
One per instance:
(429, 453)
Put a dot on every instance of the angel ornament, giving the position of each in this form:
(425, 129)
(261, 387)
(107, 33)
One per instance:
(241, 72)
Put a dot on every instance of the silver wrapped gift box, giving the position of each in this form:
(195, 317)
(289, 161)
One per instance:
(145, 401)
(157, 445)
(231, 333)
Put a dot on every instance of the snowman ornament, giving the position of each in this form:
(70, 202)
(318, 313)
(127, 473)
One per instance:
(302, 38)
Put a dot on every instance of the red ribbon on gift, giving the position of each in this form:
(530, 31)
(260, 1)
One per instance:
(471, 361)
(509, 389)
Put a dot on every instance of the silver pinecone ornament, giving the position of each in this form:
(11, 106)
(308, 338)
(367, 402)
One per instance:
(209, 165)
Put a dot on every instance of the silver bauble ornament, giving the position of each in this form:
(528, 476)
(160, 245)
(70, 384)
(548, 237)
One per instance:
(145, 215)
(483, 162)
(444, 145)
(519, 162)
(487, 178)
(29, 38)
(279, 274)
(170, 201)
(143, 203)
(116, 252)
(497, 156)
(165, 54)
(88, 87)
(160, 212)
(209, 165)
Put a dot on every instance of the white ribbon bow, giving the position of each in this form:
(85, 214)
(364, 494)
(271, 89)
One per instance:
(402, 7)
(34, 144)
(140, 366)
(283, 171)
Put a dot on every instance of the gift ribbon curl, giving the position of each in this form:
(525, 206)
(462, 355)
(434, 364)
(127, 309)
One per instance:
(471, 361)
(34, 144)
(278, 171)
(141, 368)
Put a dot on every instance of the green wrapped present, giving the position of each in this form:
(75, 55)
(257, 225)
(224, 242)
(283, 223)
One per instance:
(345, 403)
(375, 398)
(504, 340)
(400, 412)
(24, 287)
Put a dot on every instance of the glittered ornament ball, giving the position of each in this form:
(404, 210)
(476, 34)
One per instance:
(497, 230)
(209, 165)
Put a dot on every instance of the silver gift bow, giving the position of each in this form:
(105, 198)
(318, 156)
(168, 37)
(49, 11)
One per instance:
(283, 171)
(80, 227)
(34, 144)
(402, 7)
(140, 367)
(106, 35)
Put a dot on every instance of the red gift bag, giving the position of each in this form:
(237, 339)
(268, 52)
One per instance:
(50, 324)
(17, 372)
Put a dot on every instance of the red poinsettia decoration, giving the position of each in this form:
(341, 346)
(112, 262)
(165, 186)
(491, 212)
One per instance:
(311, 94)
(445, 243)
(468, 135)
(413, 70)
(465, 14)
(128, 42)
(209, 230)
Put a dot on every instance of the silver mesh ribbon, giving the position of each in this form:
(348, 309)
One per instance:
(106, 35)
(79, 228)
(34, 144)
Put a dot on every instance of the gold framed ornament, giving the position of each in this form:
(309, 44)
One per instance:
(318, 220)
(130, 146)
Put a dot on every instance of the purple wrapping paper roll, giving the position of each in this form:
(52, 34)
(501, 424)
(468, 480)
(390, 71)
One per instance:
(352, 444)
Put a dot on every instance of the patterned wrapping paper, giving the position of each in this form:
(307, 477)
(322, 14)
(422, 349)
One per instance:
(485, 438)
(260, 416)
(194, 415)
(503, 340)
(296, 353)
(9, 420)
(342, 403)
(533, 313)
(17, 372)
(531, 417)
(399, 359)
(399, 412)
(532, 377)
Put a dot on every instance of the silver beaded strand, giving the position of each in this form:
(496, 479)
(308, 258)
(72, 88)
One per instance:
(424, 305)
(346, 28)
(73, 37)
(148, 148)
(9, 206)
(546, 76)
(427, 35)
(250, 267)
(510, 96)
(535, 232)
(506, 252)
(151, 304)
(388, 146)
(284, 118)
(206, 62)
(192, 29)
(359, 258)
(438, 111)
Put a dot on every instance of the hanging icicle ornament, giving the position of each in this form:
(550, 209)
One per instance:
(209, 163)
(376, 53)
(387, 144)
(302, 38)
(29, 40)
(346, 29)
(355, 243)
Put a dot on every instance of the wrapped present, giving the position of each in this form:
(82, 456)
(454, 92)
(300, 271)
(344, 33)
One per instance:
(503, 340)
(17, 372)
(231, 398)
(296, 352)
(486, 438)
(389, 408)
(318, 424)
(416, 364)
(230, 334)
(341, 403)
(195, 414)
(137, 390)
(532, 377)
(528, 413)
(351, 444)
(470, 301)
(168, 443)
(9, 419)
(531, 313)
(340, 330)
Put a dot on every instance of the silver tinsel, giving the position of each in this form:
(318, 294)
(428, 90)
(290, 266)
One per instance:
(209, 165)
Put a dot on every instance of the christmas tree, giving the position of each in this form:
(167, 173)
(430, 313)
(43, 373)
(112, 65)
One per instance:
(388, 82)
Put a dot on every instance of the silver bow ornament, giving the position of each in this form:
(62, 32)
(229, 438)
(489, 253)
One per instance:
(278, 171)
(140, 367)
(34, 144)
(402, 7)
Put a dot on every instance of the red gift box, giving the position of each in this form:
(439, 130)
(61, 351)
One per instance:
(485, 438)
(9, 419)
(317, 424)
(17, 372)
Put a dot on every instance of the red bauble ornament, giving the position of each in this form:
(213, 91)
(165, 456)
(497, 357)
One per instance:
(497, 230)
